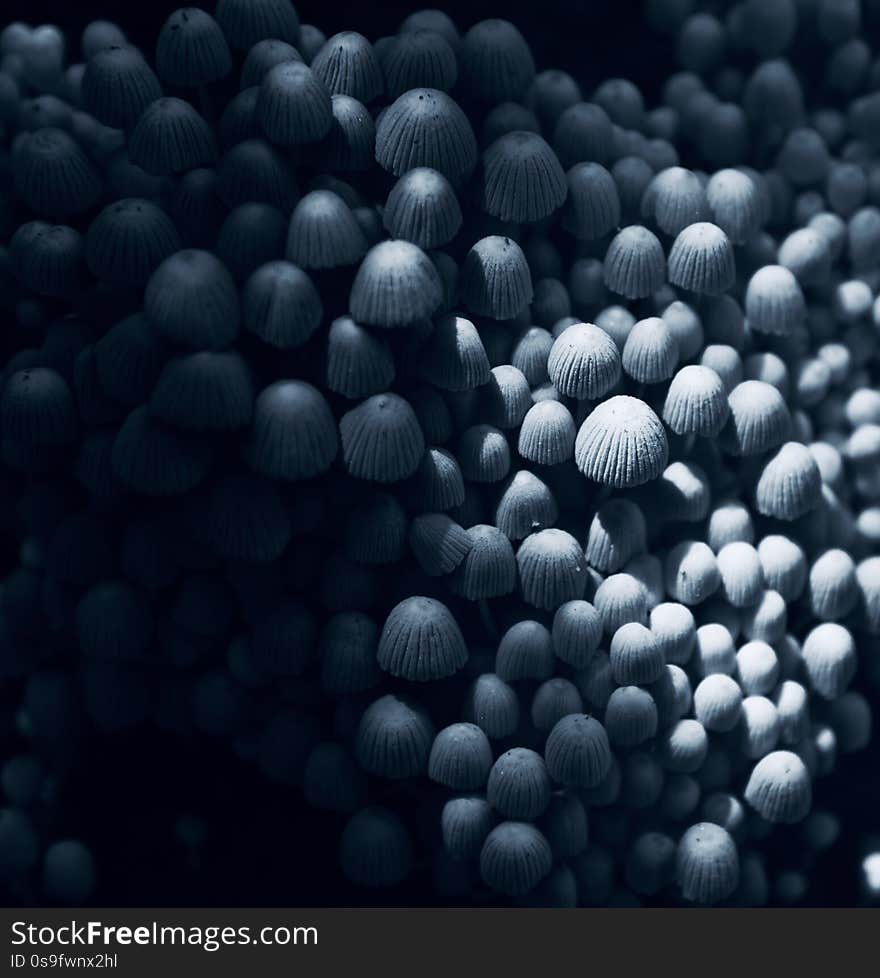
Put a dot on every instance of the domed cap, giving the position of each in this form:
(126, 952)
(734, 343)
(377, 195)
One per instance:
(294, 105)
(779, 788)
(495, 279)
(489, 569)
(418, 59)
(118, 85)
(359, 363)
(707, 864)
(280, 304)
(519, 785)
(547, 434)
(774, 302)
(492, 705)
(515, 857)
(171, 137)
(396, 285)
(735, 203)
(293, 435)
(245, 22)
(421, 641)
(829, 654)
(552, 568)
(460, 758)
(790, 483)
(636, 656)
(584, 362)
(495, 62)
(718, 702)
(192, 300)
(523, 180)
(701, 260)
(438, 543)
(577, 751)
(47, 259)
(692, 573)
(554, 699)
(262, 58)
(577, 631)
(696, 402)
(675, 198)
(323, 233)
(348, 653)
(650, 353)
(425, 127)
(617, 533)
(759, 419)
(347, 65)
(622, 443)
(53, 175)
(393, 738)
(375, 848)
(127, 240)
(635, 265)
(525, 506)
(423, 208)
(583, 132)
(255, 171)
(465, 822)
(191, 49)
(630, 716)
(381, 439)
(351, 141)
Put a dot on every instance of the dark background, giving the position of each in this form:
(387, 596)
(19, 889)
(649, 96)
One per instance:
(265, 847)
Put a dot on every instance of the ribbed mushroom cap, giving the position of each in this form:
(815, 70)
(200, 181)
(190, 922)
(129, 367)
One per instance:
(47, 259)
(757, 668)
(465, 822)
(262, 58)
(759, 418)
(245, 22)
(715, 650)
(684, 746)
(418, 59)
(515, 857)
(438, 543)
(701, 260)
(421, 641)
(347, 650)
(829, 654)
(393, 738)
(735, 203)
(577, 631)
(425, 127)
(774, 302)
(525, 506)
(460, 758)
(742, 578)
(547, 434)
(674, 629)
(617, 533)
(127, 240)
(323, 233)
(396, 285)
(495, 279)
(583, 133)
(204, 392)
(483, 454)
(381, 439)
(523, 180)
(347, 65)
(294, 105)
(726, 362)
(696, 402)
(118, 85)
(53, 175)
(718, 702)
(455, 358)
(577, 751)
(191, 299)
(692, 573)
(650, 353)
(375, 530)
(592, 208)
(790, 483)
(675, 198)
(293, 435)
(489, 569)
(554, 699)
(253, 170)
(707, 864)
(630, 716)
(191, 49)
(495, 62)
(636, 656)
(492, 705)
(351, 142)
(584, 362)
(280, 304)
(620, 599)
(423, 208)
(621, 443)
(635, 265)
(519, 785)
(552, 569)
(779, 788)
(171, 137)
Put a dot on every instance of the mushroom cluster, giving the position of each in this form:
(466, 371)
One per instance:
(491, 462)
